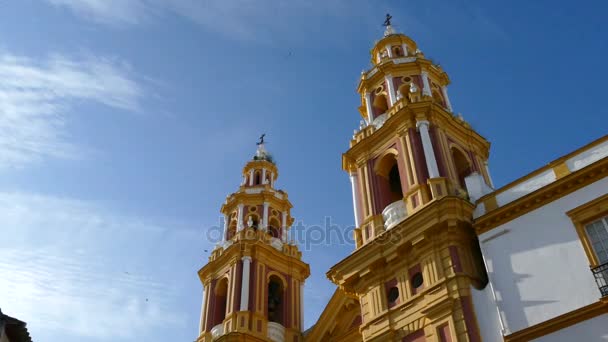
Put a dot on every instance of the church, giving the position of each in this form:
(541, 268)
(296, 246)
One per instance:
(440, 254)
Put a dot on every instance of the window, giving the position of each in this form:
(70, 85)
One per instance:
(416, 279)
(392, 296)
(275, 300)
(591, 223)
(597, 232)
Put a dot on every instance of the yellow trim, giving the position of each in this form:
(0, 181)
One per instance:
(582, 216)
(540, 197)
(559, 322)
(561, 170)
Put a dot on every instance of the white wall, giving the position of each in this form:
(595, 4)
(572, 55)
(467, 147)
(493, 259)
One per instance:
(537, 267)
(595, 329)
(487, 315)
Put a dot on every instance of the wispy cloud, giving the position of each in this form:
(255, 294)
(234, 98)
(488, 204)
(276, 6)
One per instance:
(74, 268)
(259, 20)
(36, 97)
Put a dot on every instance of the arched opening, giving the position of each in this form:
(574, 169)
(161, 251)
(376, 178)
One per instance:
(404, 91)
(275, 299)
(274, 228)
(397, 51)
(257, 178)
(380, 105)
(437, 97)
(461, 165)
(231, 228)
(221, 299)
(389, 180)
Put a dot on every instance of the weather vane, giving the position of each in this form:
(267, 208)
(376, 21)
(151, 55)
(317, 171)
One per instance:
(261, 142)
(387, 21)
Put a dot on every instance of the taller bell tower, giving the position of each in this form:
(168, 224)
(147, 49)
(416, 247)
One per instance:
(410, 164)
(254, 280)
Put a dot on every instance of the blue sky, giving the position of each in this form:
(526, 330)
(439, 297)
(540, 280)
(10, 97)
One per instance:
(125, 123)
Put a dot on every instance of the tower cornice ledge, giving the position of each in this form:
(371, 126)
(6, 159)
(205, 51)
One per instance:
(356, 270)
(405, 115)
(376, 74)
(258, 249)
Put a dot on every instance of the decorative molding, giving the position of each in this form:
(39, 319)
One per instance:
(559, 322)
(540, 197)
(585, 214)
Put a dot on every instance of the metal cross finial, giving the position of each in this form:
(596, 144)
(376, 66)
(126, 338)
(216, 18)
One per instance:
(387, 21)
(261, 142)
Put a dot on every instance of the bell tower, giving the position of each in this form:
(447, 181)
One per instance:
(254, 280)
(410, 165)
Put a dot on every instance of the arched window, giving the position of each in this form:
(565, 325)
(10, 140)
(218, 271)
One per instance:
(275, 299)
(380, 105)
(461, 165)
(257, 178)
(221, 299)
(274, 228)
(397, 51)
(389, 180)
(437, 97)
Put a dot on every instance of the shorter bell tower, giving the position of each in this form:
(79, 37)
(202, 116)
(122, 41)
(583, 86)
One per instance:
(254, 280)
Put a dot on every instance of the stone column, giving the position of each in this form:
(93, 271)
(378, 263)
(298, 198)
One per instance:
(239, 222)
(225, 232)
(353, 183)
(302, 305)
(485, 164)
(448, 104)
(284, 227)
(427, 146)
(265, 217)
(404, 47)
(263, 175)
(390, 51)
(245, 284)
(426, 88)
(251, 177)
(390, 88)
(368, 106)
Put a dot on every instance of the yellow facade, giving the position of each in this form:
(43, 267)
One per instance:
(411, 279)
(267, 306)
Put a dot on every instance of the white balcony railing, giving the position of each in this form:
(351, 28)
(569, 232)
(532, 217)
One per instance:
(217, 331)
(393, 214)
(276, 332)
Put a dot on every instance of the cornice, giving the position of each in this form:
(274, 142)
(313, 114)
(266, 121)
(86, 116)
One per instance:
(409, 232)
(541, 197)
(559, 322)
(391, 67)
(403, 116)
(265, 195)
(257, 250)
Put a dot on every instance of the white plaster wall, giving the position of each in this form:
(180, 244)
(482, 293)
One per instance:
(595, 329)
(487, 315)
(537, 265)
